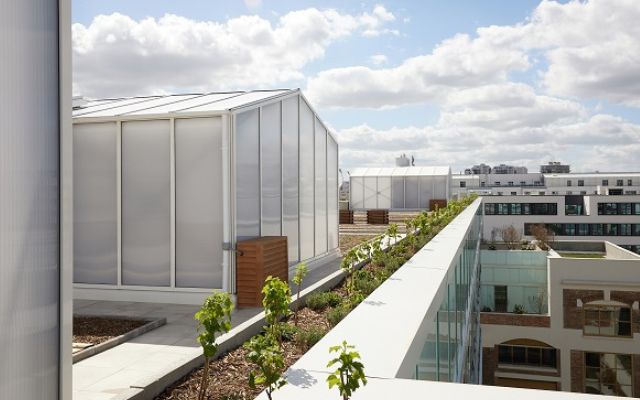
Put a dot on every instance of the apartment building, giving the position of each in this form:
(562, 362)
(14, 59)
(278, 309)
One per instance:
(613, 183)
(589, 217)
(566, 319)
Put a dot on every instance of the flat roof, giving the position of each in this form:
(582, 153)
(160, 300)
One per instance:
(401, 171)
(175, 103)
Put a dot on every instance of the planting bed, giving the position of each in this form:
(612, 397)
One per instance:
(228, 375)
(349, 241)
(96, 330)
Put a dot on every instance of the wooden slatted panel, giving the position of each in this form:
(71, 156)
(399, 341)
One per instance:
(257, 259)
(440, 203)
(346, 216)
(378, 217)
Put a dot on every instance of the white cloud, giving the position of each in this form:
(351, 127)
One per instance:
(378, 59)
(590, 49)
(116, 55)
(457, 63)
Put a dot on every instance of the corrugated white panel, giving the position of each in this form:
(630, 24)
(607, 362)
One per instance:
(370, 192)
(356, 191)
(321, 188)
(199, 202)
(132, 108)
(332, 192)
(29, 200)
(271, 169)
(238, 101)
(307, 230)
(427, 185)
(185, 105)
(95, 231)
(89, 111)
(290, 175)
(146, 228)
(247, 175)
(397, 188)
(411, 192)
(384, 192)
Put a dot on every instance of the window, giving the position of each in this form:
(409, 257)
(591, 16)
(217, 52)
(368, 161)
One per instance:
(583, 230)
(569, 182)
(569, 229)
(607, 320)
(531, 356)
(516, 208)
(489, 209)
(510, 183)
(500, 298)
(610, 374)
(523, 183)
(482, 184)
(580, 182)
(625, 229)
(503, 209)
(463, 184)
(619, 182)
(497, 183)
(605, 182)
(514, 193)
(596, 229)
(629, 182)
(569, 192)
(583, 192)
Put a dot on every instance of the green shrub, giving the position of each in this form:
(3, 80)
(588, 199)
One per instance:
(365, 282)
(307, 338)
(288, 332)
(320, 301)
(337, 314)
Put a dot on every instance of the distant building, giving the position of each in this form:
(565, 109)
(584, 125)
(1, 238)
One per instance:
(480, 169)
(404, 161)
(508, 169)
(555, 167)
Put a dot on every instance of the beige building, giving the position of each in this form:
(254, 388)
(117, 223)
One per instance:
(580, 330)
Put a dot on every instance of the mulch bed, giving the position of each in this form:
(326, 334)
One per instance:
(347, 242)
(96, 330)
(229, 375)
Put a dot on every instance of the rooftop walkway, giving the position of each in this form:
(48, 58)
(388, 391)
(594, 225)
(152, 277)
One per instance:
(143, 366)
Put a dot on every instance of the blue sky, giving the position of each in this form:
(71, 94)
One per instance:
(561, 83)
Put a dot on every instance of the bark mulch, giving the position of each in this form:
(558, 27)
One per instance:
(229, 375)
(96, 330)
(347, 242)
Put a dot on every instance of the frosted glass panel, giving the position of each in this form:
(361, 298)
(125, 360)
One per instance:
(307, 232)
(411, 192)
(95, 203)
(370, 192)
(247, 175)
(397, 188)
(384, 192)
(290, 175)
(199, 202)
(30, 200)
(321, 188)
(356, 188)
(426, 190)
(145, 203)
(271, 168)
(332, 192)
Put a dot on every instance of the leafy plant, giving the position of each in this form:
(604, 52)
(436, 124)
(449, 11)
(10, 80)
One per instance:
(518, 309)
(301, 273)
(348, 264)
(307, 338)
(214, 317)
(320, 301)
(276, 304)
(350, 372)
(287, 331)
(392, 232)
(337, 314)
(269, 359)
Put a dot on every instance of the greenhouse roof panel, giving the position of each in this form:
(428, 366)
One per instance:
(176, 104)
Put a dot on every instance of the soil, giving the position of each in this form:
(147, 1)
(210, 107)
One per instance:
(229, 375)
(96, 330)
(349, 241)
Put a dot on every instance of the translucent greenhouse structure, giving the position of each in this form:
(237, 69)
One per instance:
(399, 188)
(165, 186)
